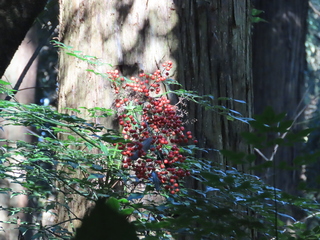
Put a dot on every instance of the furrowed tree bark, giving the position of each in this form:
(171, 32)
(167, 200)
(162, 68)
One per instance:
(208, 42)
(214, 57)
(278, 71)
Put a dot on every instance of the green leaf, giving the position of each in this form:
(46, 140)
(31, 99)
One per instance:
(299, 136)
(50, 206)
(255, 12)
(235, 157)
(158, 225)
(263, 166)
(104, 149)
(2, 82)
(172, 81)
(113, 139)
(95, 176)
(257, 20)
(113, 203)
(123, 200)
(284, 126)
(127, 211)
(135, 196)
(72, 138)
(211, 178)
(230, 118)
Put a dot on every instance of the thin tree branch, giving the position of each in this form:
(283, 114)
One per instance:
(27, 67)
(275, 149)
(314, 9)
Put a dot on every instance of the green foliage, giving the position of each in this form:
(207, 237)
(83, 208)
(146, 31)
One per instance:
(81, 158)
(226, 199)
(254, 16)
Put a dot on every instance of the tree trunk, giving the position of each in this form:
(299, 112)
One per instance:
(278, 72)
(208, 41)
(18, 22)
(16, 18)
(214, 57)
(18, 133)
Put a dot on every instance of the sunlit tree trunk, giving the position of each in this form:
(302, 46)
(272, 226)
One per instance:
(208, 42)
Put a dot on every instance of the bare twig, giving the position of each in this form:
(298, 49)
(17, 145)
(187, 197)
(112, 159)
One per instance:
(275, 149)
(314, 9)
(261, 154)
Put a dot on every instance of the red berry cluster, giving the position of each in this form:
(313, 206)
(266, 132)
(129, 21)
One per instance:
(154, 132)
